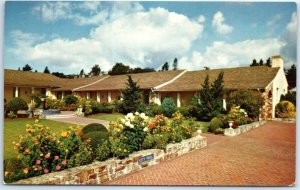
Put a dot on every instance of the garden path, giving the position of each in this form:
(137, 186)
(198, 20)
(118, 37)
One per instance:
(68, 117)
(264, 156)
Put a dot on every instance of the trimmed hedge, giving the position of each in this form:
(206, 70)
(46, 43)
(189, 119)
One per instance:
(93, 127)
(215, 124)
(96, 137)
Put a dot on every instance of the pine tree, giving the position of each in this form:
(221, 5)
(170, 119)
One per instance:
(254, 63)
(175, 64)
(27, 68)
(268, 63)
(205, 97)
(81, 73)
(46, 70)
(165, 67)
(261, 62)
(132, 97)
(217, 89)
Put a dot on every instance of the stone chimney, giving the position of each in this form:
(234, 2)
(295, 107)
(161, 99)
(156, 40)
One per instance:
(277, 61)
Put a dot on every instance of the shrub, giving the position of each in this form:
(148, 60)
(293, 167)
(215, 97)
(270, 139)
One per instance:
(291, 97)
(285, 109)
(184, 111)
(168, 106)
(95, 106)
(37, 101)
(103, 151)
(107, 107)
(94, 127)
(87, 107)
(249, 100)
(238, 115)
(95, 138)
(11, 115)
(156, 141)
(153, 109)
(70, 99)
(16, 104)
(215, 124)
(13, 170)
(219, 131)
(83, 156)
(54, 103)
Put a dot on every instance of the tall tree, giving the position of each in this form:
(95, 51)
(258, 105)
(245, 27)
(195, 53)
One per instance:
(81, 73)
(206, 98)
(119, 69)
(175, 64)
(19, 69)
(165, 67)
(217, 89)
(95, 71)
(27, 68)
(46, 70)
(254, 63)
(291, 76)
(261, 62)
(132, 97)
(268, 63)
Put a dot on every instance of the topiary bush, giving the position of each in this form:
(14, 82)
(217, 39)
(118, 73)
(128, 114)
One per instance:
(16, 104)
(168, 107)
(285, 109)
(215, 124)
(95, 138)
(70, 99)
(291, 97)
(94, 127)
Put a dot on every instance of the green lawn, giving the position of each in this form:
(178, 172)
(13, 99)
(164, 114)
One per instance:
(107, 116)
(14, 128)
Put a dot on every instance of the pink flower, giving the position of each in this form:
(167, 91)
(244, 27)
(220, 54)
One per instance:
(57, 168)
(56, 157)
(40, 168)
(47, 155)
(46, 171)
(64, 162)
(38, 162)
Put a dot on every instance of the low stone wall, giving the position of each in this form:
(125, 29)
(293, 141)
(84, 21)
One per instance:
(101, 172)
(243, 128)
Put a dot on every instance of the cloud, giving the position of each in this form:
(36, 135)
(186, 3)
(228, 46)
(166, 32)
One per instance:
(144, 39)
(221, 54)
(274, 20)
(219, 24)
(53, 11)
(289, 51)
(201, 19)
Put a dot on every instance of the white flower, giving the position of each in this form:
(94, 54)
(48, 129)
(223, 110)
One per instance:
(129, 115)
(136, 113)
(142, 115)
(131, 126)
(127, 123)
(145, 129)
(146, 117)
(123, 120)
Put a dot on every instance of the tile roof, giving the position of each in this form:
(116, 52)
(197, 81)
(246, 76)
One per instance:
(234, 78)
(71, 84)
(27, 78)
(144, 80)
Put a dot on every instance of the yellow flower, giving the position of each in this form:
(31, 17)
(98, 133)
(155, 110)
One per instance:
(36, 121)
(27, 151)
(6, 173)
(25, 170)
(64, 134)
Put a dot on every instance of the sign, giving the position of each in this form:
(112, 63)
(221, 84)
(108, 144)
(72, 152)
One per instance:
(146, 158)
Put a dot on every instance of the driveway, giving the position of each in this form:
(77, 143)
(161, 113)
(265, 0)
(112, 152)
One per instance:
(264, 156)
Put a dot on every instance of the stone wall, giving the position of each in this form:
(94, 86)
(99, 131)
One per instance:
(243, 128)
(101, 172)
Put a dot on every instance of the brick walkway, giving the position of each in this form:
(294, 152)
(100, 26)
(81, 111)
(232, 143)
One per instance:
(262, 157)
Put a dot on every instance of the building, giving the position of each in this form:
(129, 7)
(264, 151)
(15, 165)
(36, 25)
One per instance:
(181, 85)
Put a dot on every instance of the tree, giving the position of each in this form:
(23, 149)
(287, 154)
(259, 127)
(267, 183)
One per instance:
(60, 75)
(217, 89)
(165, 67)
(95, 71)
(132, 97)
(81, 73)
(261, 62)
(175, 64)
(46, 70)
(254, 63)
(119, 69)
(27, 68)
(19, 69)
(206, 98)
(268, 63)
(291, 76)
(206, 68)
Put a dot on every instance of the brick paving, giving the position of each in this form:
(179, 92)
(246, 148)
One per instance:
(262, 157)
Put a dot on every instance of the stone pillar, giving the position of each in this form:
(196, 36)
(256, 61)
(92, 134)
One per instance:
(98, 97)
(178, 100)
(87, 95)
(109, 96)
(17, 92)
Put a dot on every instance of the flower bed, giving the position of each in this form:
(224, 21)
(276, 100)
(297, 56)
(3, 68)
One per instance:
(102, 172)
(243, 128)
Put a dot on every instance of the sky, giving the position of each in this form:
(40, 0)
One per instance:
(69, 36)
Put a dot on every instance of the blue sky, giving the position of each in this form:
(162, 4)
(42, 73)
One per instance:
(70, 36)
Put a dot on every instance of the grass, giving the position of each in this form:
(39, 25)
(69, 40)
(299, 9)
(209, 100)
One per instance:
(107, 116)
(14, 128)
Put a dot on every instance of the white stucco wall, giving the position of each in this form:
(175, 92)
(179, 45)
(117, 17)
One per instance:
(279, 86)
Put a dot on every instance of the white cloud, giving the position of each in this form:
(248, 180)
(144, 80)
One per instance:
(289, 51)
(219, 24)
(53, 11)
(222, 54)
(21, 39)
(201, 19)
(144, 39)
(274, 20)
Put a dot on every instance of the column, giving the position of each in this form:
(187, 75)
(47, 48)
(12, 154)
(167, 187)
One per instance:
(121, 96)
(98, 97)
(32, 90)
(109, 96)
(62, 95)
(224, 104)
(87, 95)
(178, 100)
(17, 92)
(157, 99)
